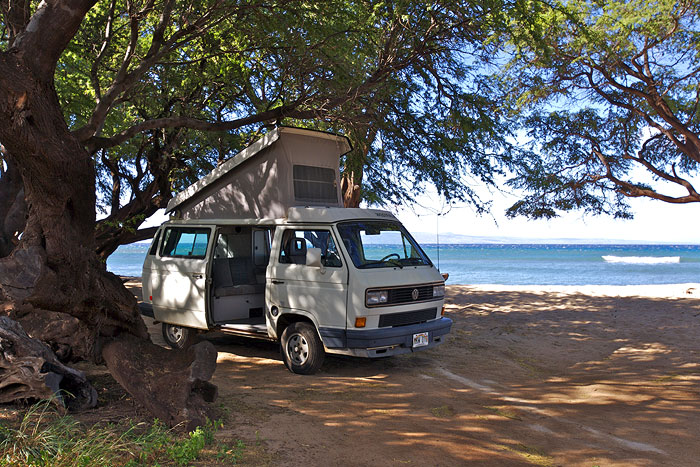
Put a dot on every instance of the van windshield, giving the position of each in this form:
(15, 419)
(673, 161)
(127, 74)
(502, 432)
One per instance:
(380, 244)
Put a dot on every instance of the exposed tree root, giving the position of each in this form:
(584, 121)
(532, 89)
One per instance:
(29, 370)
(172, 384)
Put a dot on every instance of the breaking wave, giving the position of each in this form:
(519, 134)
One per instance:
(642, 259)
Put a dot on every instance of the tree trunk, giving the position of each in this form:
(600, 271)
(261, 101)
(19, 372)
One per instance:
(351, 181)
(13, 209)
(54, 268)
(351, 191)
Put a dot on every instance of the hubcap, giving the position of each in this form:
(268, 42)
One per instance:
(175, 333)
(298, 349)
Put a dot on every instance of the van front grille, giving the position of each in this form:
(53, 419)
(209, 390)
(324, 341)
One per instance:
(408, 317)
(405, 294)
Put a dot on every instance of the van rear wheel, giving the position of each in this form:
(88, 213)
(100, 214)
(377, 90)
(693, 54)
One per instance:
(178, 337)
(302, 349)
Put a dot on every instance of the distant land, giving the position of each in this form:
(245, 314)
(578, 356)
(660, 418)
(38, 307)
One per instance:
(452, 238)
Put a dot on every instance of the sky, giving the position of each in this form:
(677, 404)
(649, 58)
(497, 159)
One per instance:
(654, 222)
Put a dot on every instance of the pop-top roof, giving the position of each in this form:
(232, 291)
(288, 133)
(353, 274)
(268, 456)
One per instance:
(248, 153)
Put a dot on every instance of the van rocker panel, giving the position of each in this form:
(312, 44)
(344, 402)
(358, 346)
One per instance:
(402, 336)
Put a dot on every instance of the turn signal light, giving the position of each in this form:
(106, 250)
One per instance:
(442, 313)
(360, 322)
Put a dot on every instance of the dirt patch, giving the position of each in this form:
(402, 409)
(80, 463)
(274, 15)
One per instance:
(550, 378)
(527, 377)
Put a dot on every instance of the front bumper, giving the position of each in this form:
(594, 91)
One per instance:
(384, 342)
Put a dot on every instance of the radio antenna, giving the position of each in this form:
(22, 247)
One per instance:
(437, 237)
(438, 212)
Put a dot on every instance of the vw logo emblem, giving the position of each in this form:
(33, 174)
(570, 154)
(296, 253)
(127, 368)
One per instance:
(414, 294)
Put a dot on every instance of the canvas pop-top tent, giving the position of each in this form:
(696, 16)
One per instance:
(286, 167)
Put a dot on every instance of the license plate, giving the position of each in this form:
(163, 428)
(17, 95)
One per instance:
(420, 339)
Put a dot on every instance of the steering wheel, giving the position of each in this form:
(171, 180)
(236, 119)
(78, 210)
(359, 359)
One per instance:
(390, 255)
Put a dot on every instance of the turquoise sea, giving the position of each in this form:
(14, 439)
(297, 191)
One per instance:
(519, 264)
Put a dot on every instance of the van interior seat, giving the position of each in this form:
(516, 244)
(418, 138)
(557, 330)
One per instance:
(235, 276)
(296, 250)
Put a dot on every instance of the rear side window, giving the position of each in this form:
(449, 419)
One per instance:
(181, 242)
(154, 245)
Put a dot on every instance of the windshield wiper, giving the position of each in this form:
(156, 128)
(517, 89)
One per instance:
(375, 263)
(394, 261)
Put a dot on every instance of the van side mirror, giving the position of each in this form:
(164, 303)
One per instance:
(313, 257)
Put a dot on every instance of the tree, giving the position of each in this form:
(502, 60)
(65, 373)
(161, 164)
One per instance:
(364, 69)
(435, 122)
(53, 279)
(114, 105)
(608, 94)
(13, 207)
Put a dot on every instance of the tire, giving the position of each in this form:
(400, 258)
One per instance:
(178, 337)
(302, 349)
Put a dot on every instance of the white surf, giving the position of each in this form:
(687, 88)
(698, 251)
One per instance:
(642, 259)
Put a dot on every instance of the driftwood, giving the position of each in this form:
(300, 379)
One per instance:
(29, 370)
(69, 338)
(172, 384)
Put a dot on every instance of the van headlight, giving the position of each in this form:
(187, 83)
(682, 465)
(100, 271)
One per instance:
(376, 297)
(439, 290)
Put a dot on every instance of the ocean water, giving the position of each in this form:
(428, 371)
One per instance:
(568, 264)
(529, 264)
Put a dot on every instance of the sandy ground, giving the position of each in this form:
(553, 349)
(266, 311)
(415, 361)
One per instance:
(566, 376)
(529, 375)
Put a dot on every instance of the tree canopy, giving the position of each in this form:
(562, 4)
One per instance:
(607, 95)
(159, 92)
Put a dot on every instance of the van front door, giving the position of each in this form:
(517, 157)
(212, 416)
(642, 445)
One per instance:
(180, 283)
(319, 292)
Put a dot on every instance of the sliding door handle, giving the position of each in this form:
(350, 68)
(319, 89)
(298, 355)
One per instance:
(275, 281)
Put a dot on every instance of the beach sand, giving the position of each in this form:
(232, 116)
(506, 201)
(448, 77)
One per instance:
(529, 375)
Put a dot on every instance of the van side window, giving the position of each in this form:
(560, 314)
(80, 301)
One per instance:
(180, 242)
(154, 245)
(296, 242)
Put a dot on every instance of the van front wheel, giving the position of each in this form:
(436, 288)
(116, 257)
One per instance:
(178, 337)
(302, 349)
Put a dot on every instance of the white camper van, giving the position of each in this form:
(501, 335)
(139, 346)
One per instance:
(317, 279)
